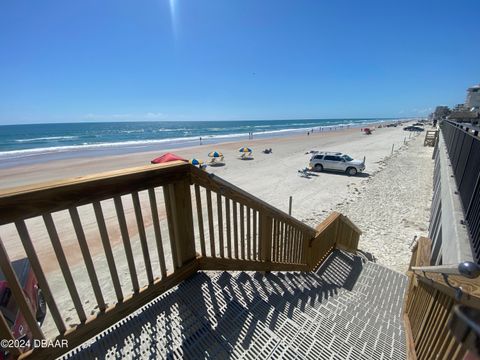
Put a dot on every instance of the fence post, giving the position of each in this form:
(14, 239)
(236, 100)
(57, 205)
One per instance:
(266, 237)
(290, 206)
(179, 210)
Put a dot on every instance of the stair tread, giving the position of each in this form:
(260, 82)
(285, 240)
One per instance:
(348, 309)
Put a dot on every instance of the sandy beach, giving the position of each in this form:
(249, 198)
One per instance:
(390, 201)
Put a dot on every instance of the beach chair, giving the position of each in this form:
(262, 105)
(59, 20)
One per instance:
(303, 173)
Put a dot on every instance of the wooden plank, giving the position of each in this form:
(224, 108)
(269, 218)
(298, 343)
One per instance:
(229, 229)
(142, 235)
(220, 225)
(426, 325)
(157, 231)
(329, 221)
(94, 325)
(249, 247)
(38, 271)
(266, 239)
(201, 230)
(447, 304)
(470, 287)
(87, 258)
(292, 244)
(274, 239)
(285, 242)
(180, 205)
(288, 230)
(246, 265)
(167, 198)
(350, 224)
(254, 237)
(18, 293)
(235, 229)
(298, 246)
(62, 261)
(102, 228)
(126, 241)
(423, 253)
(411, 354)
(210, 223)
(6, 334)
(242, 232)
(215, 183)
(35, 200)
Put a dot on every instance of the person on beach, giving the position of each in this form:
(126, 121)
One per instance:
(308, 133)
(200, 140)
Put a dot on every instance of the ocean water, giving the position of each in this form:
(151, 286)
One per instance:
(24, 144)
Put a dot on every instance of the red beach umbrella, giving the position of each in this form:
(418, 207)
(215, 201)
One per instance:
(167, 158)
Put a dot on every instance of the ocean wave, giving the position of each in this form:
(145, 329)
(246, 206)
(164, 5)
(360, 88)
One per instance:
(91, 146)
(173, 141)
(47, 138)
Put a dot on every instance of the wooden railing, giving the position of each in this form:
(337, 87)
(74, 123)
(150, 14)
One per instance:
(119, 239)
(429, 304)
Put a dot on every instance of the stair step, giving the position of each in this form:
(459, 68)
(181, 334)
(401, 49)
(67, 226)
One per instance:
(348, 309)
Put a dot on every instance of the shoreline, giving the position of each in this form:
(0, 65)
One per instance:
(381, 192)
(79, 165)
(13, 158)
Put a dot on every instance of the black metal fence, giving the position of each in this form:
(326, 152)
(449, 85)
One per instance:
(463, 146)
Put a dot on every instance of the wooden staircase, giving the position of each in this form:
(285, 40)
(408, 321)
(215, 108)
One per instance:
(430, 138)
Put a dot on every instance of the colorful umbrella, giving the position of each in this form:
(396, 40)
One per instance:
(167, 158)
(195, 162)
(245, 150)
(215, 154)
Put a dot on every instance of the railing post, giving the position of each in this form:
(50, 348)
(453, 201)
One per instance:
(266, 237)
(179, 210)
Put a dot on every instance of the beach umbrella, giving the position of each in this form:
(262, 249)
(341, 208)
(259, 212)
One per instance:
(167, 158)
(245, 150)
(215, 154)
(196, 162)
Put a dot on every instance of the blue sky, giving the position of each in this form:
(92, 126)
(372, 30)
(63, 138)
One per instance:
(90, 60)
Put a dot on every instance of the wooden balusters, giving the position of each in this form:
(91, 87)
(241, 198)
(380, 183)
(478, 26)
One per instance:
(220, 224)
(62, 261)
(229, 230)
(42, 280)
(254, 238)
(126, 242)
(210, 223)
(235, 229)
(87, 258)
(142, 235)
(242, 232)
(266, 237)
(158, 234)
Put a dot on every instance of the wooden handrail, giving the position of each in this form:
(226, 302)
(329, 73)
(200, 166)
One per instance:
(429, 304)
(35, 200)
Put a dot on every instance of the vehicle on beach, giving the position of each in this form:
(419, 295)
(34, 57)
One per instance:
(336, 161)
(9, 307)
(412, 128)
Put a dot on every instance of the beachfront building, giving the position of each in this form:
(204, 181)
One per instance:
(441, 112)
(473, 98)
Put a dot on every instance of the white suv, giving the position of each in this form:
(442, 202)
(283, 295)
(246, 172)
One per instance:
(336, 161)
